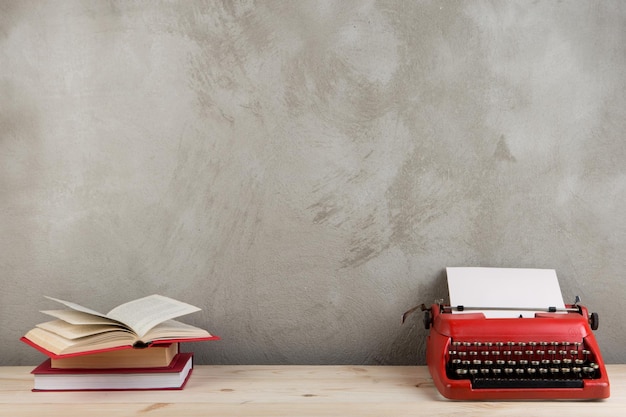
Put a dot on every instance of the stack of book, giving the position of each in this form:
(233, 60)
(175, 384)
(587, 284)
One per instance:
(135, 346)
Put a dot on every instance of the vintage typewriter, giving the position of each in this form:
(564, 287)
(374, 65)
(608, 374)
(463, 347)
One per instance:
(553, 355)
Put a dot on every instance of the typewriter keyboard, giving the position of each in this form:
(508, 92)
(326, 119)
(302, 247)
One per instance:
(521, 364)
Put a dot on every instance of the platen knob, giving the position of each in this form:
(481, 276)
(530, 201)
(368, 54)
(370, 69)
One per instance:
(594, 321)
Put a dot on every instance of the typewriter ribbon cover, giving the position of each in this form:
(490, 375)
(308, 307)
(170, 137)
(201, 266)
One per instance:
(507, 334)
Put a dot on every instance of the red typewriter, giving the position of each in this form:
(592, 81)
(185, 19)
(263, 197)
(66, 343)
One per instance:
(553, 355)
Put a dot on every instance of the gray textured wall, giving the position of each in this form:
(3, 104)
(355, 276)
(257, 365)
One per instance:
(304, 171)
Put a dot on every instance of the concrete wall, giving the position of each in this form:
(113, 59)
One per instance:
(305, 170)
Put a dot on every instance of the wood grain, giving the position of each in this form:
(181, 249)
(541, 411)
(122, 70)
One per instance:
(288, 391)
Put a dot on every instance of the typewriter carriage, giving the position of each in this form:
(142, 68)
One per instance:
(592, 318)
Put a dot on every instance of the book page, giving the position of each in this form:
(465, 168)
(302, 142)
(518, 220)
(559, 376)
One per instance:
(76, 307)
(72, 331)
(145, 313)
(504, 288)
(81, 318)
(173, 329)
(60, 345)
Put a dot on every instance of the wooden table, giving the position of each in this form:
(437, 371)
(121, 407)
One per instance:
(291, 391)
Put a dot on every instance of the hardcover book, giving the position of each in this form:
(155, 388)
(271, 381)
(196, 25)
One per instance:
(156, 355)
(139, 323)
(174, 376)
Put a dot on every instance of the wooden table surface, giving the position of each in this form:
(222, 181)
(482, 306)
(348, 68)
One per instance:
(291, 391)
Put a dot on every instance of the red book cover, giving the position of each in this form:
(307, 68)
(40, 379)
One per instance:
(174, 376)
(155, 343)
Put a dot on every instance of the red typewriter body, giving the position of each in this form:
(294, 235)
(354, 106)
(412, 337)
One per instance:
(553, 355)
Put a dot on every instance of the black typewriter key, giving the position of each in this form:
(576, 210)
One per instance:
(501, 383)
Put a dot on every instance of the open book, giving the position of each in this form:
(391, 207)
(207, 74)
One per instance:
(139, 323)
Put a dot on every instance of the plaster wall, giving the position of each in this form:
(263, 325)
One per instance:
(305, 171)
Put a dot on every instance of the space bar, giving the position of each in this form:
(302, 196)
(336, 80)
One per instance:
(491, 383)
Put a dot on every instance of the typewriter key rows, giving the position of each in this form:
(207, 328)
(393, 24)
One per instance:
(528, 360)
